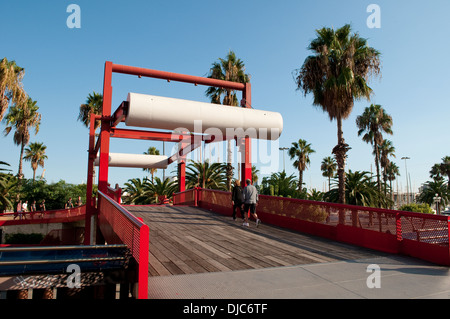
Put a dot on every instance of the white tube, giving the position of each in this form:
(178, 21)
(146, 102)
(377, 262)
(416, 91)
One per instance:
(198, 117)
(136, 160)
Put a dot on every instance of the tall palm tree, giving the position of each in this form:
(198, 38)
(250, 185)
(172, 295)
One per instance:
(435, 172)
(387, 149)
(11, 88)
(445, 169)
(21, 118)
(373, 122)
(392, 171)
(229, 69)
(206, 175)
(328, 168)
(151, 151)
(300, 151)
(93, 105)
(337, 74)
(35, 153)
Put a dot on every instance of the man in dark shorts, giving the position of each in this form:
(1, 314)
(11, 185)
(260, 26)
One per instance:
(250, 201)
(237, 199)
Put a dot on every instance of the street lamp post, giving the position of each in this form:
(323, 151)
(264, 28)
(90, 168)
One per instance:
(407, 186)
(283, 149)
(437, 201)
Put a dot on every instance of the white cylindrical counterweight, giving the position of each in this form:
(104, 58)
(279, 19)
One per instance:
(199, 117)
(135, 160)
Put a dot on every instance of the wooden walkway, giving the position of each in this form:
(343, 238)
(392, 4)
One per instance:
(188, 240)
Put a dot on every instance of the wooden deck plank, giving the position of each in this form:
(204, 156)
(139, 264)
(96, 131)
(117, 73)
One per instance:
(187, 240)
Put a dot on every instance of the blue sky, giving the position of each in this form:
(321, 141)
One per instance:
(64, 65)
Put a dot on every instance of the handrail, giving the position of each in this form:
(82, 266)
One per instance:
(132, 218)
(68, 247)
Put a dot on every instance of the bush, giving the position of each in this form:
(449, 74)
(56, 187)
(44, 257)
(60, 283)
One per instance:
(417, 208)
(24, 239)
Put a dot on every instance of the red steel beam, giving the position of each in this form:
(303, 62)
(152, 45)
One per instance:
(170, 76)
(147, 135)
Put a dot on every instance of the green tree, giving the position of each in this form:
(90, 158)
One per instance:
(387, 150)
(372, 123)
(300, 151)
(328, 168)
(445, 169)
(151, 151)
(35, 153)
(432, 188)
(11, 88)
(21, 118)
(161, 188)
(392, 171)
(229, 69)
(280, 184)
(337, 74)
(360, 190)
(206, 175)
(136, 191)
(417, 208)
(93, 105)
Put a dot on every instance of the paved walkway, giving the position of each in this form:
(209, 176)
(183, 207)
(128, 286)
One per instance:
(400, 278)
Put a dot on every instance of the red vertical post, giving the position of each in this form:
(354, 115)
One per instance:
(246, 165)
(105, 130)
(182, 176)
(90, 181)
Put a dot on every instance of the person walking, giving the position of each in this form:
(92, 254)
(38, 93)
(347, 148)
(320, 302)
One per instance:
(250, 200)
(237, 199)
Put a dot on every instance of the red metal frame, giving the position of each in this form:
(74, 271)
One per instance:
(110, 120)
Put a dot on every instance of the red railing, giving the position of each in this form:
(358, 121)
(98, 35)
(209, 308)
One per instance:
(118, 226)
(49, 216)
(419, 235)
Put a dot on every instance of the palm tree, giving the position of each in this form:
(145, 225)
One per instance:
(151, 151)
(11, 88)
(360, 190)
(392, 171)
(136, 191)
(300, 151)
(435, 172)
(8, 184)
(229, 69)
(255, 172)
(328, 168)
(206, 175)
(433, 188)
(373, 122)
(35, 153)
(337, 74)
(387, 149)
(21, 118)
(93, 105)
(279, 184)
(445, 169)
(161, 188)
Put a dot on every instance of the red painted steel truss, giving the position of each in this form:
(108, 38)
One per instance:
(188, 142)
